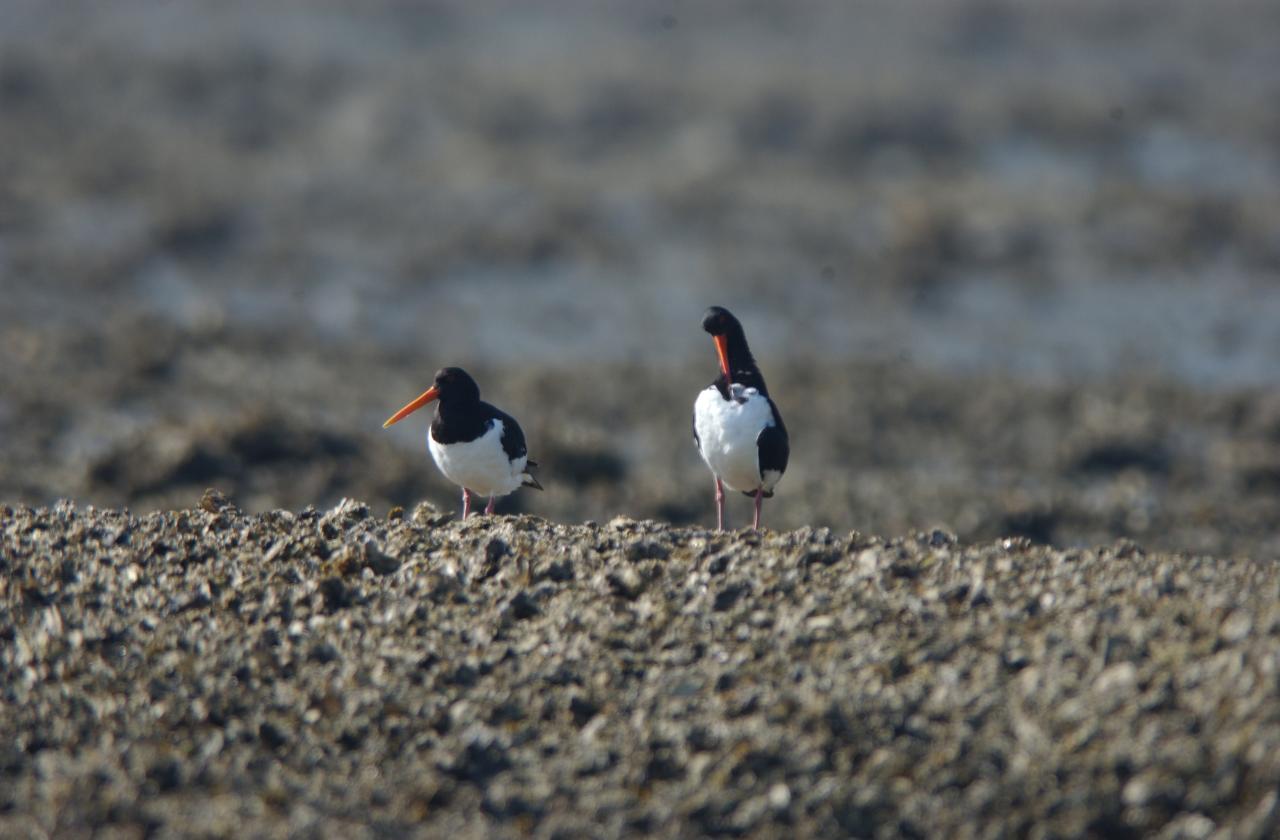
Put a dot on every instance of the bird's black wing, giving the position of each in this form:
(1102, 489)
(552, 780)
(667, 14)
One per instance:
(773, 444)
(514, 446)
(512, 436)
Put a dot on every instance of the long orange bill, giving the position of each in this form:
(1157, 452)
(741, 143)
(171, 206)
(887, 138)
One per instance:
(722, 350)
(426, 397)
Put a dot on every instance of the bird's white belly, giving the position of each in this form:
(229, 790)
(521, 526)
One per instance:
(480, 465)
(727, 433)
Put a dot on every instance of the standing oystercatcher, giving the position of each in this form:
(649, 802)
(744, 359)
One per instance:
(737, 428)
(474, 444)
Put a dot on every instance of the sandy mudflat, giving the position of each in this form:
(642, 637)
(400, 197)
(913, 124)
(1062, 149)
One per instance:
(349, 672)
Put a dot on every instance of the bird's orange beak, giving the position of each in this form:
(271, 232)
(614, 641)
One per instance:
(424, 398)
(722, 350)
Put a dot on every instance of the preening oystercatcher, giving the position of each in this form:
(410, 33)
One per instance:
(737, 428)
(474, 444)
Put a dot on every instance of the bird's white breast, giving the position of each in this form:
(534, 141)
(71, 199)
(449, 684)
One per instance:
(727, 433)
(480, 465)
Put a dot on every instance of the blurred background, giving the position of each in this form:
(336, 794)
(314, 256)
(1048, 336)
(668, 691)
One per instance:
(1010, 269)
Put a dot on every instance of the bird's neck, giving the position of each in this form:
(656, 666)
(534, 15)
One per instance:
(739, 353)
(742, 365)
(457, 409)
(458, 421)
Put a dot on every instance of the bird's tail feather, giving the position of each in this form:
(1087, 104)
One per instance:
(529, 480)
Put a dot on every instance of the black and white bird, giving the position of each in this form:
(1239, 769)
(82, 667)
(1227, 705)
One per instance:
(736, 426)
(474, 444)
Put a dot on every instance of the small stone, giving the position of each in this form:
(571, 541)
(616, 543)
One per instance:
(1236, 627)
(1116, 683)
(582, 709)
(625, 583)
(820, 557)
(904, 570)
(464, 675)
(1189, 827)
(622, 523)
(324, 652)
(214, 501)
(275, 551)
(730, 595)
(560, 571)
(481, 759)
(523, 606)
(377, 560)
(272, 736)
(495, 550)
(347, 513)
(427, 515)
(337, 595)
(166, 774)
(646, 550)
(939, 538)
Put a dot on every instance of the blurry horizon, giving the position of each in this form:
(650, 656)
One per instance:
(1060, 191)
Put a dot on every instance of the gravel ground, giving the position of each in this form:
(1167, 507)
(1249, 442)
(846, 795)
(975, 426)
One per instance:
(351, 673)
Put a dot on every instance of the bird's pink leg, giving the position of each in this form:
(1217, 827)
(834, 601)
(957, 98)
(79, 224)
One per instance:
(719, 504)
(488, 509)
(466, 502)
(755, 523)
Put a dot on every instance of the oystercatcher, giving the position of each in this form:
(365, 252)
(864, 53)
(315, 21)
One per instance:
(737, 428)
(474, 444)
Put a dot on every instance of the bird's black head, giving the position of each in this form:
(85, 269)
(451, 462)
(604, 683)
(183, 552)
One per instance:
(454, 385)
(736, 362)
(720, 321)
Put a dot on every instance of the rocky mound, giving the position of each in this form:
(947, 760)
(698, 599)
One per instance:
(215, 672)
